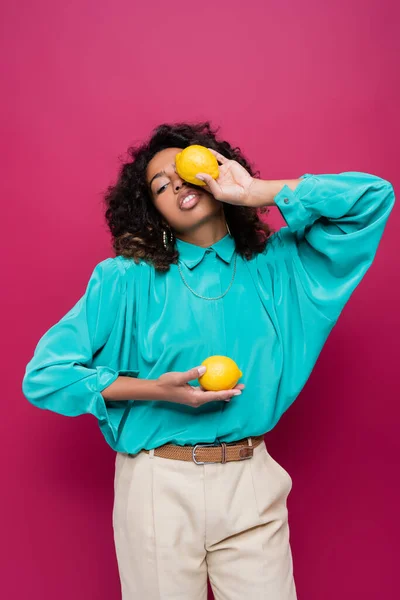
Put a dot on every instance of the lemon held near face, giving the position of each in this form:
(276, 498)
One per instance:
(196, 159)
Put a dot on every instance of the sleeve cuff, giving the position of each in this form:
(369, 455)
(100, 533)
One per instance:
(105, 377)
(290, 205)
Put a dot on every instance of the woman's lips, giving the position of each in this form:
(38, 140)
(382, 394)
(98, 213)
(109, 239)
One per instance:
(189, 201)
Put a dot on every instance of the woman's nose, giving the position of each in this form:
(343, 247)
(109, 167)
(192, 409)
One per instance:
(178, 183)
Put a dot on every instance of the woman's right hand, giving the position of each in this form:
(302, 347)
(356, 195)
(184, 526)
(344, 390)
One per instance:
(174, 387)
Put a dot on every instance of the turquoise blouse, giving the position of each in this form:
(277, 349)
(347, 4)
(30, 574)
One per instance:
(273, 322)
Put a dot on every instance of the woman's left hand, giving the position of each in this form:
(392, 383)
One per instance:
(233, 183)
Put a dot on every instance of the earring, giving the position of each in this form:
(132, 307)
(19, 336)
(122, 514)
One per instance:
(227, 226)
(168, 239)
(164, 233)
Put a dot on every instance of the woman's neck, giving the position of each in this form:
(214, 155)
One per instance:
(205, 234)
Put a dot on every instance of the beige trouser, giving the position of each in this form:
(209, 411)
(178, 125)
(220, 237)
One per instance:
(176, 522)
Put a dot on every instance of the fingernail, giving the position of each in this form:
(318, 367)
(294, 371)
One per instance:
(201, 370)
(200, 177)
(237, 392)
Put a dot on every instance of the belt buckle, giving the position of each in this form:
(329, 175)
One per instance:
(208, 462)
(246, 452)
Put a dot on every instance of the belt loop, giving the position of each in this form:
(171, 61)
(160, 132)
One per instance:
(250, 441)
(151, 453)
(223, 452)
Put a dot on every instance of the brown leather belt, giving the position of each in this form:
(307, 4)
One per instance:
(217, 452)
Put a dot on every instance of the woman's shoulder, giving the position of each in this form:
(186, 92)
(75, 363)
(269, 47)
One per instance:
(274, 247)
(118, 265)
(112, 270)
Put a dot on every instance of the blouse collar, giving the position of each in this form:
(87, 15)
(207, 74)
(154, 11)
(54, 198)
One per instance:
(191, 254)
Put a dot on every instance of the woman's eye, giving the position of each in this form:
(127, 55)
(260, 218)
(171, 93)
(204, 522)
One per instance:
(161, 189)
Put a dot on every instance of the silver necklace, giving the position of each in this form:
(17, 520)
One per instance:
(205, 297)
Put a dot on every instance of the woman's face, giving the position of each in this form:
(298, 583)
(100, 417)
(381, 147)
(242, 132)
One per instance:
(182, 205)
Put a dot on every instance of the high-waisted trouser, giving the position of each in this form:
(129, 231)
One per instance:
(176, 522)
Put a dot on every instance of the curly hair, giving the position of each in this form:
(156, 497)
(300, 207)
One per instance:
(135, 223)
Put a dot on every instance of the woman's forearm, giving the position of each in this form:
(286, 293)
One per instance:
(263, 192)
(132, 388)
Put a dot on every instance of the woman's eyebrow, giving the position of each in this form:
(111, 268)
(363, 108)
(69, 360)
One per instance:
(161, 174)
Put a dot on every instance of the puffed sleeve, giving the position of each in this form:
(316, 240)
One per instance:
(335, 223)
(310, 268)
(61, 376)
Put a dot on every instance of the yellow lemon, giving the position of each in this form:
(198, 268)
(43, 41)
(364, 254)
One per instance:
(196, 159)
(222, 373)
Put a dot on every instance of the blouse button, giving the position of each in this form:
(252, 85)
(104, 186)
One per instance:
(286, 200)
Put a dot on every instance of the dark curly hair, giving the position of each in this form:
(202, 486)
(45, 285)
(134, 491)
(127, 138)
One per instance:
(134, 221)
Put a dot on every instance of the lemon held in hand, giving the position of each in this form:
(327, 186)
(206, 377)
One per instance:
(222, 373)
(196, 159)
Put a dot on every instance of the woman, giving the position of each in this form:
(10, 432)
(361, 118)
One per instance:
(197, 273)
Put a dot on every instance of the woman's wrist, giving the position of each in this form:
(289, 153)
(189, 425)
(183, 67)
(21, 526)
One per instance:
(262, 192)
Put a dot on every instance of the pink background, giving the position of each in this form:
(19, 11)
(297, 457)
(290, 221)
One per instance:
(301, 87)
